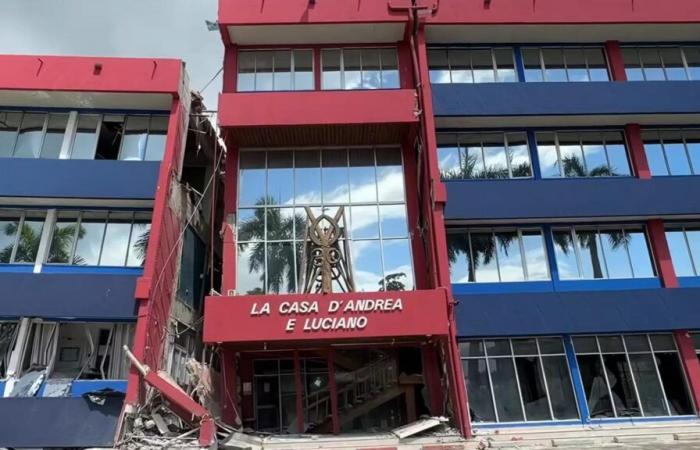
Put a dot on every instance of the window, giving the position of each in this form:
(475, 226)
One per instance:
(565, 64)
(662, 63)
(20, 234)
(498, 255)
(118, 136)
(672, 152)
(359, 68)
(484, 155)
(471, 65)
(516, 380)
(602, 252)
(31, 134)
(582, 154)
(632, 375)
(274, 188)
(275, 70)
(684, 244)
(97, 239)
(8, 338)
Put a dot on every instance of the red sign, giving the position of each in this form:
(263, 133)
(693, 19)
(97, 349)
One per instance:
(266, 318)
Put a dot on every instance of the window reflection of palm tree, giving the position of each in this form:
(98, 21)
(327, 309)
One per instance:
(482, 249)
(280, 267)
(470, 170)
(62, 244)
(392, 282)
(28, 244)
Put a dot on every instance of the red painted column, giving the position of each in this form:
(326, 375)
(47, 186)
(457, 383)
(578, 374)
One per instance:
(299, 388)
(691, 364)
(229, 413)
(616, 64)
(230, 68)
(662, 255)
(228, 275)
(638, 157)
(420, 265)
(247, 399)
(317, 68)
(431, 375)
(333, 390)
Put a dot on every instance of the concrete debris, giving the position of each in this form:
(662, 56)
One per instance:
(418, 426)
(28, 385)
(57, 387)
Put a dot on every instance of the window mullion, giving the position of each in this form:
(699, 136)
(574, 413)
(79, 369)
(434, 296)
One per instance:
(76, 236)
(506, 148)
(663, 152)
(542, 65)
(690, 254)
(18, 236)
(45, 240)
(577, 252)
(517, 380)
(687, 154)
(522, 254)
(558, 150)
(495, 246)
(104, 237)
(19, 129)
(627, 251)
(43, 132)
(69, 136)
(471, 255)
(685, 63)
(494, 65)
(488, 372)
(128, 242)
(292, 84)
(658, 376)
(605, 375)
(634, 382)
(342, 68)
(544, 379)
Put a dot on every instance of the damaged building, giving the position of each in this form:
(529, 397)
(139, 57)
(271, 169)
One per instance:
(105, 224)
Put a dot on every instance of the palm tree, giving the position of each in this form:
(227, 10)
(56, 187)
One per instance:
(392, 282)
(573, 167)
(481, 249)
(28, 244)
(470, 169)
(62, 245)
(589, 240)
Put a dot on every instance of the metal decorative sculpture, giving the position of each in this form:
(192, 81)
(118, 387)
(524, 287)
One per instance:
(325, 255)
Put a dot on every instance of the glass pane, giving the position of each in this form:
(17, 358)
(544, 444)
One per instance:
(116, 243)
(547, 155)
(62, 241)
(674, 383)
(484, 256)
(692, 143)
(303, 70)
(621, 385)
(505, 390)
(648, 384)
(561, 393)
(366, 265)
(693, 236)
(675, 153)
(652, 64)
(29, 239)
(393, 221)
(617, 153)
(390, 182)
(498, 347)
(618, 263)
(280, 268)
(53, 139)
(330, 75)
(554, 64)
(439, 69)
(87, 251)
(138, 244)
(8, 236)
(448, 160)
(525, 347)
(519, 155)
(30, 136)
(479, 390)
(263, 70)
(390, 68)
(157, 133)
(533, 67)
(246, 71)
(473, 158)
(471, 348)
(280, 178)
(637, 343)
(495, 156)
(692, 57)
(282, 77)
(397, 265)
(460, 66)
(549, 346)
(595, 386)
(661, 342)
(279, 223)
(633, 68)
(576, 64)
(352, 69)
(591, 253)
(597, 67)
(371, 76)
(250, 276)
(571, 156)
(334, 174)
(680, 254)
(363, 185)
(655, 153)
(505, 67)
(611, 344)
(565, 254)
(594, 154)
(585, 344)
(458, 255)
(673, 63)
(509, 258)
(639, 254)
(482, 66)
(251, 184)
(251, 224)
(307, 177)
(535, 255)
(532, 388)
(9, 123)
(365, 222)
(134, 140)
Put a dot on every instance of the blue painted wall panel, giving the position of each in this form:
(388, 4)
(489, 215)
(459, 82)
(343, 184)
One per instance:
(571, 198)
(78, 178)
(68, 296)
(545, 99)
(578, 312)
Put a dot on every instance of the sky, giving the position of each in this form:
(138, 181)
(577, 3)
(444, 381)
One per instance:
(126, 28)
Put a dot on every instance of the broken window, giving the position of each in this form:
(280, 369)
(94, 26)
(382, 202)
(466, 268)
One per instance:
(515, 380)
(632, 375)
(8, 337)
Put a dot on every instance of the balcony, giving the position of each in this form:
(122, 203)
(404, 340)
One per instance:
(562, 104)
(334, 317)
(318, 117)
